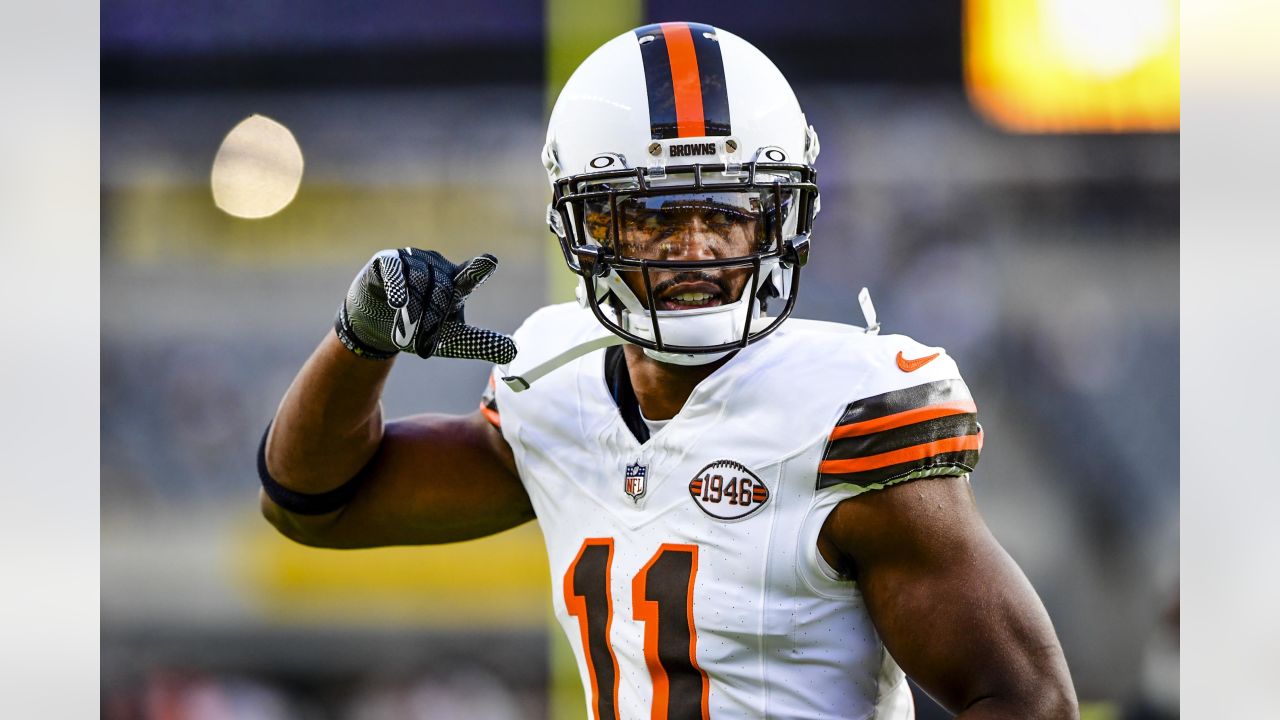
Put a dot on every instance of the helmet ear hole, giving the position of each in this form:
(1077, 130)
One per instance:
(550, 159)
(811, 146)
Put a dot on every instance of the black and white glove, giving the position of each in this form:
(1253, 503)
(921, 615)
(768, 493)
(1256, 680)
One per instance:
(411, 299)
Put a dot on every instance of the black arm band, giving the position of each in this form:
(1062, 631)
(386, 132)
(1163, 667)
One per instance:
(303, 503)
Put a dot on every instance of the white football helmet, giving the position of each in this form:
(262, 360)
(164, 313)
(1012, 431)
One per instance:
(683, 189)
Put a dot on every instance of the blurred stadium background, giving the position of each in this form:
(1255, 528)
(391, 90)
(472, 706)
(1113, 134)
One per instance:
(1027, 223)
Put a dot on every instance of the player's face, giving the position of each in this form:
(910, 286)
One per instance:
(690, 227)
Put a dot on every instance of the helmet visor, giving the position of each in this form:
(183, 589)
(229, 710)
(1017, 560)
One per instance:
(690, 226)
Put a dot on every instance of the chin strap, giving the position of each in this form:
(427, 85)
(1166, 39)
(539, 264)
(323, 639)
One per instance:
(619, 288)
(520, 383)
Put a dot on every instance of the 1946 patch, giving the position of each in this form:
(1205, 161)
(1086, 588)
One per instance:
(727, 490)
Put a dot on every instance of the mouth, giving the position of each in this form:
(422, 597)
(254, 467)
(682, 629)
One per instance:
(690, 295)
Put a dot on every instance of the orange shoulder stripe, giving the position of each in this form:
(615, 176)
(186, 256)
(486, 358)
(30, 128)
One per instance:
(491, 415)
(907, 454)
(906, 417)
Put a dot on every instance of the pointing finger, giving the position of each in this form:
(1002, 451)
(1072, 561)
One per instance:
(472, 274)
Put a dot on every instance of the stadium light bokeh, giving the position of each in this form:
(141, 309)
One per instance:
(257, 170)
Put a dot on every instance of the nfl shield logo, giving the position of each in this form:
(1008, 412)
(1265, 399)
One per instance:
(634, 483)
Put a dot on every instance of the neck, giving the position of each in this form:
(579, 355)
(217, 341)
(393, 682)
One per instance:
(661, 388)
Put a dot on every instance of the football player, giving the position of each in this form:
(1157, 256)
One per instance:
(745, 516)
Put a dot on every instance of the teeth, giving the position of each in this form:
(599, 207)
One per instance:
(691, 298)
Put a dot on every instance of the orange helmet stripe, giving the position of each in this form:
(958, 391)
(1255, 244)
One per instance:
(686, 82)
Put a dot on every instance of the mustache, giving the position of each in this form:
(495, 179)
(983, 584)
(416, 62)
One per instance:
(690, 276)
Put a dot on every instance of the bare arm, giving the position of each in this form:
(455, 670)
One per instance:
(426, 479)
(952, 607)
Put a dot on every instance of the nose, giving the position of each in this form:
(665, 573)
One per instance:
(694, 241)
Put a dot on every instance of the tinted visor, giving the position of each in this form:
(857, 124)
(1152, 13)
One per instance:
(697, 225)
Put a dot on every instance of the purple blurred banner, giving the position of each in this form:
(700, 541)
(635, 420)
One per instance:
(154, 26)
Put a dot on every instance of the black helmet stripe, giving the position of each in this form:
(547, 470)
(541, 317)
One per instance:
(684, 75)
(715, 95)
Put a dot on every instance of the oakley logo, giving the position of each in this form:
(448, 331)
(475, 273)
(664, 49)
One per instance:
(693, 149)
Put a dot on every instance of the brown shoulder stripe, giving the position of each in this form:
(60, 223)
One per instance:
(906, 417)
(947, 463)
(923, 451)
(861, 446)
(942, 392)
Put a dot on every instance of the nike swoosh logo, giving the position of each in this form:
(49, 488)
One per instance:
(403, 335)
(906, 365)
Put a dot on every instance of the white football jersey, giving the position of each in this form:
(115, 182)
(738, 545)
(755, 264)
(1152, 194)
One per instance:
(684, 567)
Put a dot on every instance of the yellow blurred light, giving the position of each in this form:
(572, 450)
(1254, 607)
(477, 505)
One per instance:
(1108, 38)
(1074, 65)
(498, 581)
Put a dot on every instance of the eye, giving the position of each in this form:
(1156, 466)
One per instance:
(653, 225)
(727, 220)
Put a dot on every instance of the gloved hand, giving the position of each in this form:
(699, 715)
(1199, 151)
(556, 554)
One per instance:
(411, 299)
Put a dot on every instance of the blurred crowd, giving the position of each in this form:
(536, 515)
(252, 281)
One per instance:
(196, 695)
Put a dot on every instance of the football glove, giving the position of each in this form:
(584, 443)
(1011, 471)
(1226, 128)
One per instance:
(411, 299)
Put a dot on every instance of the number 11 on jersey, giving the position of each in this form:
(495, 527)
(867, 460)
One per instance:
(662, 598)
